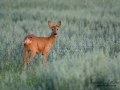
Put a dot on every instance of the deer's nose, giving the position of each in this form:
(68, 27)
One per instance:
(55, 33)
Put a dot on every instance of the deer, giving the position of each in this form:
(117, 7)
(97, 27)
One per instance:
(39, 45)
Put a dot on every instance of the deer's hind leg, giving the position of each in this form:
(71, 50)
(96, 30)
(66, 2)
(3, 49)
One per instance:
(25, 58)
(30, 59)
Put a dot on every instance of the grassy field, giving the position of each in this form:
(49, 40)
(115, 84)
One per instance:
(86, 55)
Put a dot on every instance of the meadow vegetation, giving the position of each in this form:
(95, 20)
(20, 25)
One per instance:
(85, 55)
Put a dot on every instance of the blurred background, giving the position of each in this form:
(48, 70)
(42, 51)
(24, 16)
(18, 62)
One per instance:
(87, 49)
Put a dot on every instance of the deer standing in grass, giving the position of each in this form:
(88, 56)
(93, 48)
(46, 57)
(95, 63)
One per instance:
(37, 45)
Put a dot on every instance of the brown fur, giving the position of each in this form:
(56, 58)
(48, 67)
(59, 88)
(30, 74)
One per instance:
(40, 44)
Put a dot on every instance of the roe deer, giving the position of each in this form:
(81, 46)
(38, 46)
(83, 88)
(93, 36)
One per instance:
(40, 44)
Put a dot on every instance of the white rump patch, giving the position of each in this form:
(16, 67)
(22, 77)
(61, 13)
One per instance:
(27, 41)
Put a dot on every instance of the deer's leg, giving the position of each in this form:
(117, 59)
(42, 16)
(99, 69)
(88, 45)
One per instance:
(25, 58)
(45, 53)
(31, 57)
(44, 59)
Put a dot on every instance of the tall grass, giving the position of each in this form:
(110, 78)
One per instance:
(85, 55)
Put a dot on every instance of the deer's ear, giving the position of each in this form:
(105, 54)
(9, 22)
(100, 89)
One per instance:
(50, 24)
(59, 24)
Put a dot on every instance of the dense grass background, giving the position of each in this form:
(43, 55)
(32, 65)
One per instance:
(86, 53)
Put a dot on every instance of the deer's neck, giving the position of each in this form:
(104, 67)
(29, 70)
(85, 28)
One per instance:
(52, 38)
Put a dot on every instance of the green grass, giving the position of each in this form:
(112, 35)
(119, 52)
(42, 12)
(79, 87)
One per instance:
(87, 50)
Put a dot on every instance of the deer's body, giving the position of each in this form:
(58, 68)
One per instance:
(40, 44)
